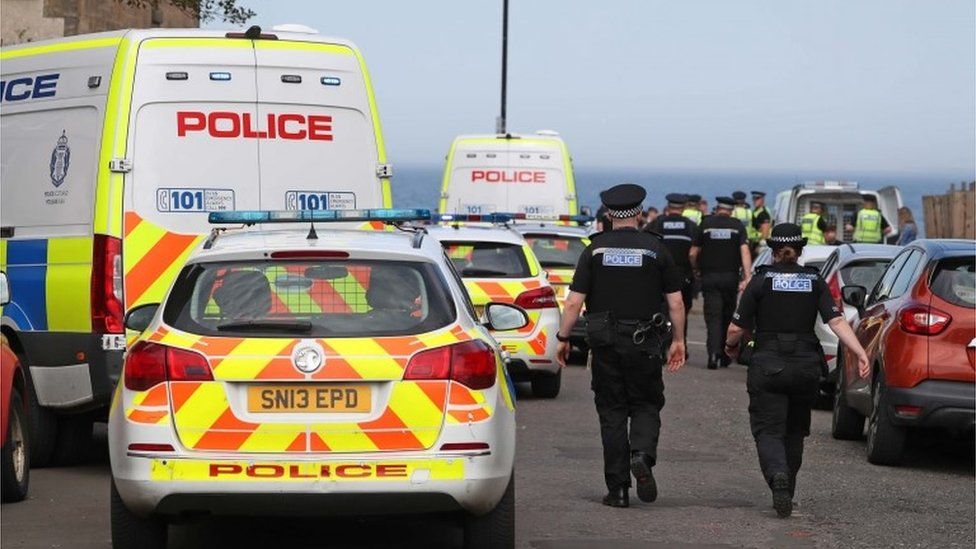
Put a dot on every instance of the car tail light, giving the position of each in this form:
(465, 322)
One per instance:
(908, 411)
(923, 320)
(150, 447)
(471, 363)
(464, 446)
(149, 364)
(539, 298)
(106, 285)
(834, 286)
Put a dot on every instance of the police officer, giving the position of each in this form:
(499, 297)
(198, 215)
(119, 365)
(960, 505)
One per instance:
(869, 225)
(720, 251)
(741, 210)
(762, 222)
(624, 277)
(692, 208)
(780, 306)
(678, 233)
(812, 224)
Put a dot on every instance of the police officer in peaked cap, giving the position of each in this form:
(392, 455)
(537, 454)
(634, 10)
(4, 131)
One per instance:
(780, 306)
(693, 208)
(762, 222)
(721, 253)
(625, 276)
(678, 233)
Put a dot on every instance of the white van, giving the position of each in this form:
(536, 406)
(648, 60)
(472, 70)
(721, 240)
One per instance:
(841, 199)
(530, 174)
(115, 146)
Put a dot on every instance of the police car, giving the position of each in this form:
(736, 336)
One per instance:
(497, 265)
(316, 370)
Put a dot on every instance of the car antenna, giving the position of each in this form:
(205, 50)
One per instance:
(312, 235)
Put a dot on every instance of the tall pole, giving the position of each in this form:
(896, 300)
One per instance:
(501, 123)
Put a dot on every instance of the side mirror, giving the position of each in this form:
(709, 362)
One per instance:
(502, 317)
(139, 318)
(4, 289)
(854, 296)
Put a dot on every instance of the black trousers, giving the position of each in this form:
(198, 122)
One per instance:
(627, 385)
(720, 290)
(782, 390)
(688, 296)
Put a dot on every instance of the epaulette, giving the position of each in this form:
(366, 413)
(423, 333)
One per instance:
(763, 268)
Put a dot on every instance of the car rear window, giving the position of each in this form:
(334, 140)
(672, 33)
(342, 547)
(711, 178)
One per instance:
(488, 259)
(863, 273)
(954, 280)
(556, 251)
(340, 298)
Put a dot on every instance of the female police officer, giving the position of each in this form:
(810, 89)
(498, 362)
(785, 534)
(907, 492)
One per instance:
(780, 305)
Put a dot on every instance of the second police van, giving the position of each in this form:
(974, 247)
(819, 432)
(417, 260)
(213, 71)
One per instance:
(117, 145)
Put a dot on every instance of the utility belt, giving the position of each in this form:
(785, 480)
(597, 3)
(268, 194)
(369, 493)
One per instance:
(791, 343)
(603, 330)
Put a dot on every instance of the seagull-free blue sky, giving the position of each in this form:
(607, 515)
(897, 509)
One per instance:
(868, 85)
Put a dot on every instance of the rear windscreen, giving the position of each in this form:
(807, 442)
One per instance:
(954, 280)
(488, 259)
(309, 299)
(864, 273)
(556, 251)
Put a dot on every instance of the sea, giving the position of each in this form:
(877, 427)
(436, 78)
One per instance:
(418, 186)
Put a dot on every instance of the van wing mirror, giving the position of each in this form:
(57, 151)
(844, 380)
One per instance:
(502, 317)
(139, 318)
(4, 289)
(854, 296)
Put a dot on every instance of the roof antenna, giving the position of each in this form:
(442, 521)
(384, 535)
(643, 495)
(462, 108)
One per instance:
(253, 32)
(312, 235)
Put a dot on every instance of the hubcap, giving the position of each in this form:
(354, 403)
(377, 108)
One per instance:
(19, 452)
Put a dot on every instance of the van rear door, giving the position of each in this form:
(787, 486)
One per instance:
(889, 200)
(324, 149)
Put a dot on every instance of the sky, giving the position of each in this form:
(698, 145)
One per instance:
(760, 85)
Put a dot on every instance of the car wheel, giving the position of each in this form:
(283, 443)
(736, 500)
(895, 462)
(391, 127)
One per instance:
(73, 444)
(134, 532)
(43, 423)
(15, 455)
(547, 385)
(886, 441)
(496, 530)
(846, 422)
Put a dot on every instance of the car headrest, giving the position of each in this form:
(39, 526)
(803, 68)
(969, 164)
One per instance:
(244, 294)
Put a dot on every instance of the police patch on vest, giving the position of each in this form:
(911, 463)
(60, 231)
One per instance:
(674, 224)
(721, 234)
(792, 284)
(623, 258)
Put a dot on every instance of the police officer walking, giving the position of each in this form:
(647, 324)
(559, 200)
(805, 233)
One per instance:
(869, 225)
(762, 222)
(741, 210)
(720, 251)
(812, 224)
(678, 233)
(624, 277)
(693, 209)
(780, 306)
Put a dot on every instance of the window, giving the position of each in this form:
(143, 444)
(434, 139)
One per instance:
(865, 273)
(468, 304)
(488, 259)
(825, 271)
(556, 251)
(348, 298)
(907, 275)
(954, 280)
(883, 289)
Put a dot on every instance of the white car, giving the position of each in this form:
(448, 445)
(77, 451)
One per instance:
(317, 371)
(813, 256)
(497, 265)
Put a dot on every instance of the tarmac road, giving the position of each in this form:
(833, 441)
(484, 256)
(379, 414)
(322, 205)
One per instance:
(712, 495)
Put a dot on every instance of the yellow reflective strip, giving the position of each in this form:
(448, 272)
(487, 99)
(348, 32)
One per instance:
(199, 412)
(115, 132)
(250, 357)
(533, 261)
(180, 339)
(272, 437)
(298, 45)
(412, 405)
(158, 289)
(377, 129)
(343, 437)
(197, 470)
(60, 47)
(569, 178)
(446, 179)
(438, 339)
(138, 243)
(68, 284)
(157, 43)
(368, 358)
(506, 389)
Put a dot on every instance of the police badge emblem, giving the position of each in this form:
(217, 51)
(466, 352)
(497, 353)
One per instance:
(60, 159)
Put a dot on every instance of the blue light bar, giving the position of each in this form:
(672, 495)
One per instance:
(583, 219)
(473, 218)
(251, 217)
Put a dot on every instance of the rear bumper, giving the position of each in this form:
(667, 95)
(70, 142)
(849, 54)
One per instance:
(518, 370)
(946, 404)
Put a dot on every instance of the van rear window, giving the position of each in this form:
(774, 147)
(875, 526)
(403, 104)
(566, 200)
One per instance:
(488, 259)
(954, 280)
(309, 299)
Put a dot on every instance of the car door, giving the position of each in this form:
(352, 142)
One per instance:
(898, 353)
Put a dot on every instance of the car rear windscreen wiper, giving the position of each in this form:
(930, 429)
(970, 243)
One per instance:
(472, 271)
(298, 326)
(557, 264)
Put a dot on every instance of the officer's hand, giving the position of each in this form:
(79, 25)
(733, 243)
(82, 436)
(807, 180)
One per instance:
(562, 353)
(863, 366)
(742, 286)
(676, 356)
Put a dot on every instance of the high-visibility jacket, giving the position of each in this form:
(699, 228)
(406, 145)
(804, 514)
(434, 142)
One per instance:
(692, 214)
(809, 226)
(868, 228)
(744, 215)
(753, 232)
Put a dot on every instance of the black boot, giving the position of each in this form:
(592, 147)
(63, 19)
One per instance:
(713, 362)
(724, 360)
(782, 500)
(618, 497)
(640, 466)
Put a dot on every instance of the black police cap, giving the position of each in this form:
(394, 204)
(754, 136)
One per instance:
(623, 200)
(759, 194)
(739, 195)
(694, 198)
(725, 201)
(677, 199)
(786, 234)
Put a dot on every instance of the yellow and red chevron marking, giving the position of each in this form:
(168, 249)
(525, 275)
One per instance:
(153, 257)
(149, 407)
(467, 405)
(483, 291)
(533, 347)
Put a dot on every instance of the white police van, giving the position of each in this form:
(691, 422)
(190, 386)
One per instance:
(117, 145)
(841, 200)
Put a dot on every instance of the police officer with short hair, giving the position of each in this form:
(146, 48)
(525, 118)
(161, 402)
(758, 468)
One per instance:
(721, 252)
(780, 306)
(678, 233)
(625, 276)
(812, 224)
(869, 225)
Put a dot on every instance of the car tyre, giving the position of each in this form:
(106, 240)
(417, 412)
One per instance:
(547, 385)
(43, 424)
(15, 454)
(886, 441)
(73, 444)
(496, 530)
(846, 423)
(130, 531)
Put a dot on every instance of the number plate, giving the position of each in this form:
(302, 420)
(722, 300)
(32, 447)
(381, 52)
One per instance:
(308, 398)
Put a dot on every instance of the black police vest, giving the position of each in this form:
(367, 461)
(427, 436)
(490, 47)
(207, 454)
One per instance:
(627, 274)
(787, 300)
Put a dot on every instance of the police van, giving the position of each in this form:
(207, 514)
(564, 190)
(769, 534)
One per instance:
(530, 174)
(841, 200)
(117, 145)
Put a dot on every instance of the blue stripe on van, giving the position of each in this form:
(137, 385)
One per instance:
(27, 275)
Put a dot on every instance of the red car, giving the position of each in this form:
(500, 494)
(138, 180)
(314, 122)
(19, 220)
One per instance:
(15, 452)
(917, 326)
